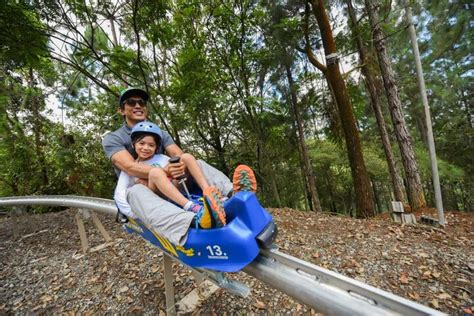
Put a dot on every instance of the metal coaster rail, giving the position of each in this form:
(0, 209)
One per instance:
(325, 291)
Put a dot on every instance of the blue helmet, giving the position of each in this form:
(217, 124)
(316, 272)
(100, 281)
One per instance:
(144, 129)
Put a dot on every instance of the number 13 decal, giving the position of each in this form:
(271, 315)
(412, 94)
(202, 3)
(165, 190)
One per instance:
(214, 250)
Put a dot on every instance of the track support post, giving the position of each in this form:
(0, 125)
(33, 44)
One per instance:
(84, 214)
(169, 287)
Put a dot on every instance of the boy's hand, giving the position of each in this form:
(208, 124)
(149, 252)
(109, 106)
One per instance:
(176, 169)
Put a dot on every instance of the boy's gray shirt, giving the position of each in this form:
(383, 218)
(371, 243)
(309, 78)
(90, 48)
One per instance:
(119, 140)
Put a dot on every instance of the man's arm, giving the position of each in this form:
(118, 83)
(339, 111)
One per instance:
(173, 150)
(115, 149)
(125, 162)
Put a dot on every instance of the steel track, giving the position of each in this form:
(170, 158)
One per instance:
(324, 290)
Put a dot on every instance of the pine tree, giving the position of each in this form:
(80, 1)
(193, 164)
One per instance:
(363, 190)
(414, 185)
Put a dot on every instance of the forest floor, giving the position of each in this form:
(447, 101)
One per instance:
(43, 271)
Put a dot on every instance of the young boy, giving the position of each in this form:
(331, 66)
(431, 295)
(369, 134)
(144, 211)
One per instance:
(146, 139)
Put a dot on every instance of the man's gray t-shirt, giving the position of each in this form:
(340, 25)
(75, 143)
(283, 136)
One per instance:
(120, 139)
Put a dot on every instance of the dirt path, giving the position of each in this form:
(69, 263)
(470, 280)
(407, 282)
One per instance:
(43, 271)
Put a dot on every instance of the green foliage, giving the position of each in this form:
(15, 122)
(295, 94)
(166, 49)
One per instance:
(22, 36)
(216, 72)
(334, 175)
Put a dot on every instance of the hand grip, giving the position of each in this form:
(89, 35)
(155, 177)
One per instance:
(176, 159)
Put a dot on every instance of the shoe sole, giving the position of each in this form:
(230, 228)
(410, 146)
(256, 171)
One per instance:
(213, 201)
(244, 171)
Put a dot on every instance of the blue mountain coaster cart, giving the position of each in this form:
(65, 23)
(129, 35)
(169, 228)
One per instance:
(226, 249)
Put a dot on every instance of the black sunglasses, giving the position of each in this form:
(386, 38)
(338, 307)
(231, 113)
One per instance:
(132, 102)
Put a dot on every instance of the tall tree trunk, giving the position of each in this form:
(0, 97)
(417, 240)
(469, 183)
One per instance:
(410, 165)
(449, 197)
(465, 197)
(37, 121)
(266, 169)
(313, 193)
(362, 189)
(216, 138)
(468, 106)
(112, 28)
(334, 116)
(376, 196)
(397, 183)
(328, 176)
(304, 180)
(276, 192)
(421, 125)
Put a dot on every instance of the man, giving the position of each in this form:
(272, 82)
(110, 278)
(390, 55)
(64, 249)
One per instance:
(164, 217)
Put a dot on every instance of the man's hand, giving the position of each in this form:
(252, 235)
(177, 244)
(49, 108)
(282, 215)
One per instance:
(176, 169)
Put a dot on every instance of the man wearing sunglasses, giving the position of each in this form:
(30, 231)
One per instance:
(118, 145)
(160, 214)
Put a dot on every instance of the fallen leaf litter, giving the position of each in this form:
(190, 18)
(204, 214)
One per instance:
(43, 270)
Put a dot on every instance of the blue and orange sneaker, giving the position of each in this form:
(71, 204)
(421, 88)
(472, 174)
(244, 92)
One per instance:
(244, 179)
(212, 214)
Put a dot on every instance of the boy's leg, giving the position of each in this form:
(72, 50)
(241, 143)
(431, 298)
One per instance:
(216, 178)
(212, 214)
(195, 171)
(158, 180)
(162, 216)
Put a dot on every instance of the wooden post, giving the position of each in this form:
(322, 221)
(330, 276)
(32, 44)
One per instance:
(191, 301)
(194, 299)
(169, 288)
(83, 214)
(197, 277)
(82, 232)
(100, 227)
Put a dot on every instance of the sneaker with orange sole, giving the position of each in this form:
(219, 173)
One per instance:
(212, 215)
(244, 179)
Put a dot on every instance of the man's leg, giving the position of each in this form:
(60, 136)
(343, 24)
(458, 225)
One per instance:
(162, 216)
(216, 178)
(244, 179)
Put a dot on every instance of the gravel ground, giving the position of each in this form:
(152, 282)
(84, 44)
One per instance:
(43, 271)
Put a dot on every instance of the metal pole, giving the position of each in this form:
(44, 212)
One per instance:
(424, 98)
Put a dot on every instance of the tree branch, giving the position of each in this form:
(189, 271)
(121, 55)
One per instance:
(137, 36)
(84, 72)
